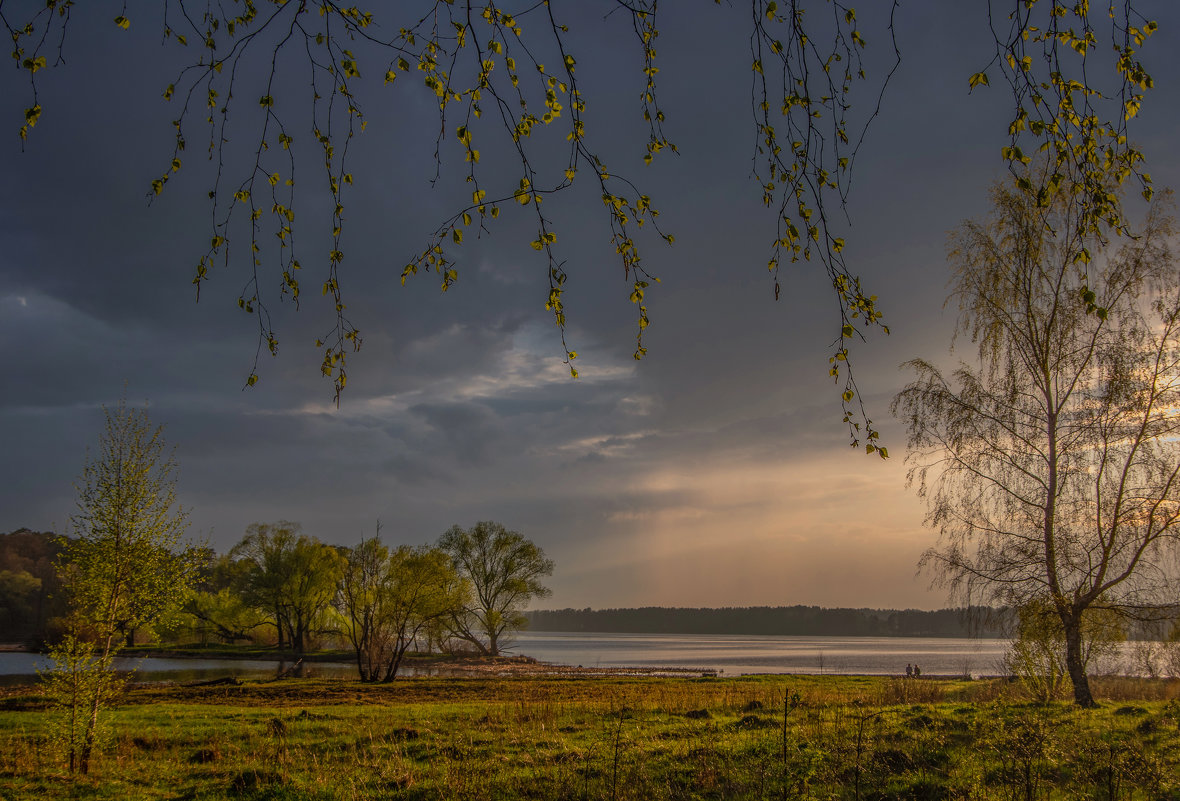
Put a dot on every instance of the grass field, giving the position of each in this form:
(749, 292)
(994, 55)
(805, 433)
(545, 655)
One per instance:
(770, 737)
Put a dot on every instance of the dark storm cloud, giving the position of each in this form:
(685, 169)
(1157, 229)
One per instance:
(714, 471)
(470, 432)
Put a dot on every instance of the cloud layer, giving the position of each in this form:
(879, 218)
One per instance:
(714, 472)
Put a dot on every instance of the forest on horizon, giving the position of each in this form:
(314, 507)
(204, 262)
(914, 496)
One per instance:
(30, 598)
(797, 620)
(29, 590)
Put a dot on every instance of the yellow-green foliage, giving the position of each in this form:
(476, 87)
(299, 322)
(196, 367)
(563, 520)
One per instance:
(621, 738)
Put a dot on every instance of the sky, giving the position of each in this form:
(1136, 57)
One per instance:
(716, 472)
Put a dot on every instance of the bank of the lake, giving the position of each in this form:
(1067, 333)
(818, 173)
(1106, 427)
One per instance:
(195, 663)
(731, 655)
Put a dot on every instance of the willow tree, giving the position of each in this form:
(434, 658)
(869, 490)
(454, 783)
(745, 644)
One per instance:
(1051, 467)
(124, 568)
(387, 599)
(506, 82)
(505, 570)
(288, 576)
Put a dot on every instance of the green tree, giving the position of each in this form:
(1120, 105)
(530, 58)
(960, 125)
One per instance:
(79, 685)
(19, 591)
(124, 568)
(217, 606)
(1051, 468)
(360, 600)
(505, 571)
(387, 599)
(502, 75)
(31, 601)
(262, 567)
(291, 576)
(1038, 653)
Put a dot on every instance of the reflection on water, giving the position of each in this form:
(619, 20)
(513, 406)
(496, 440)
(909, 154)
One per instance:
(16, 668)
(736, 655)
(728, 655)
(20, 668)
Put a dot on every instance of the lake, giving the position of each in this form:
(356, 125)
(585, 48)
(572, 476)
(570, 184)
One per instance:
(18, 668)
(728, 655)
(734, 655)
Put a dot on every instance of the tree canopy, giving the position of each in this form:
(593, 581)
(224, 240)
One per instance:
(512, 109)
(30, 589)
(505, 570)
(124, 568)
(389, 599)
(126, 562)
(291, 576)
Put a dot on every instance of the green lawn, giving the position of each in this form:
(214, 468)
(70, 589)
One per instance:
(609, 738)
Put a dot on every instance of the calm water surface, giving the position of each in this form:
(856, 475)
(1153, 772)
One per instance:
(726, 654)
(736, 655)
(18, 668)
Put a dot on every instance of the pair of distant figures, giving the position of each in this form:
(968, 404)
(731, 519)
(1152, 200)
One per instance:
(912, 671)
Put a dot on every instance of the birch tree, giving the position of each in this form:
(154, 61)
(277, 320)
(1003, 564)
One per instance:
(125, 567)
(1050, 467)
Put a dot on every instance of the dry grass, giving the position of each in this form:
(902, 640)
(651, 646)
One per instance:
(616, 738)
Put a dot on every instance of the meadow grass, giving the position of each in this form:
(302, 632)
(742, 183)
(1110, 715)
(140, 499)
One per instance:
(608, 738)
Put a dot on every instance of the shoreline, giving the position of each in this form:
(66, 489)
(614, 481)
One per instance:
(424, 665)
(318, 689)
(441, 665)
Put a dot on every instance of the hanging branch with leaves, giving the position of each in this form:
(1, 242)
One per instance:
(500, 72)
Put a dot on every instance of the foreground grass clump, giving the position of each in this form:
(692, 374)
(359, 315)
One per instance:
(612, 738)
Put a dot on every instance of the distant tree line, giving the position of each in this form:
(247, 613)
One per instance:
(1163, 623)
(30, 590)
(780, 620)
(281, 587)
